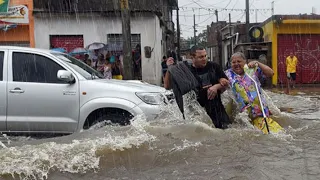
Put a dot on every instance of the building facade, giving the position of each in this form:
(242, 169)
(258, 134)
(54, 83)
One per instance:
(233, 36)
(299, 34)
(72, 24)
(17, 25)
(214, 41)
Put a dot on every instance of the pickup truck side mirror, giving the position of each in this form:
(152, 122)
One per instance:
(66, 76)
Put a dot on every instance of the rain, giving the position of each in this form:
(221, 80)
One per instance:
(88, 90)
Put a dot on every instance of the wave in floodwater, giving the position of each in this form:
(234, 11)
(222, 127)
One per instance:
(171, 147)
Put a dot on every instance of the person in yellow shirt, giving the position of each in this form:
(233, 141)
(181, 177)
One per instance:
(291, 64)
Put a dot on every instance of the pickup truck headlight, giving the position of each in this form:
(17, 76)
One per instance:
(151, 98)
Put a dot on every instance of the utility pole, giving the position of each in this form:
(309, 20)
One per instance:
(178, 35)
(256, 11)
(217, 17)
(231, 36)
(247, 19)
(219, 39)
(194, 30)
(314, 10)
(126, 40)
(272, 8)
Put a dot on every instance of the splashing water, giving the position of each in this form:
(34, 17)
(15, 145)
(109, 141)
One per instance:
(168, 142)
(79, 156)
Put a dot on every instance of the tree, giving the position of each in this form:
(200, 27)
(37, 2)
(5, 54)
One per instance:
(202, 39)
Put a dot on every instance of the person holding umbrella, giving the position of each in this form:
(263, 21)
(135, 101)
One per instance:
(86, 59)
(96, 49)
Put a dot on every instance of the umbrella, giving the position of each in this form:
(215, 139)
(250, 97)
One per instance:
(59, 50)
(95, 45)
(78, 51)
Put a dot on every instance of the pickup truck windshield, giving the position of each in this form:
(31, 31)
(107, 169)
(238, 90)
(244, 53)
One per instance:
(86, 71)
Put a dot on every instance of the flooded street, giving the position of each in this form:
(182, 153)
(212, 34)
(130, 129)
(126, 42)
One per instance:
(171, 148)
(69, 65)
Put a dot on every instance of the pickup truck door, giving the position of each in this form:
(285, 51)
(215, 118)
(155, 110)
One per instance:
(37, 100)
(3, 90)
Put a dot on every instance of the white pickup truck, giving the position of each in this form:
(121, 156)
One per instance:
(43, 91)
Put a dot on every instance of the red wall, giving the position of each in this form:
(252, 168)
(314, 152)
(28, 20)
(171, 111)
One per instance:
(307, 49)
(69, 42)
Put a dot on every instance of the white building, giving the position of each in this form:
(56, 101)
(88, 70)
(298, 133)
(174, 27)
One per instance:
(79, 28)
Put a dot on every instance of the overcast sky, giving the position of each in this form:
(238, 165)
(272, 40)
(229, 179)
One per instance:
(204, 11)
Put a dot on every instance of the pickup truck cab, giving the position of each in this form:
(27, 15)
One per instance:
(43, 91)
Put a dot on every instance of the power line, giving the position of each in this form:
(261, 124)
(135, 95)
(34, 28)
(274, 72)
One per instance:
(188, 15)
(219, 2)
(226, 5)
(197, 25)
(206, 19)
(187, 4)
(250, 10)
(197, 3)
(241, 14)
(190, 25)
(260, 12)
(206, 4)
(187, 30)
(214, 5)
(213, 9)
(186, 25)
(235, 4)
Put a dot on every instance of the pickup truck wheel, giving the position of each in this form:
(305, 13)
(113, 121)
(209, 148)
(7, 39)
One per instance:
(103, 117)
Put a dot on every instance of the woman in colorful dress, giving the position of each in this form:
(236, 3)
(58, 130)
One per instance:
(241, 77)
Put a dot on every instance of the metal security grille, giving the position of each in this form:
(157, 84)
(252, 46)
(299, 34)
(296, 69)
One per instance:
(306, 48)
(117, 39)
(69, 42)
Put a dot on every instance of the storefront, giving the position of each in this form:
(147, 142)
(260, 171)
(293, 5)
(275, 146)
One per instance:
(16, 24)
(299, 34)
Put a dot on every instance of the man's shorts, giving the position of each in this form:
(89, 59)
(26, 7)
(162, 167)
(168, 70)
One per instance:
(293, 76)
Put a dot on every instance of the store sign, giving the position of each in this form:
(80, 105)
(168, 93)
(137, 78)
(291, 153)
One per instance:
(16, 14)
(4, 6)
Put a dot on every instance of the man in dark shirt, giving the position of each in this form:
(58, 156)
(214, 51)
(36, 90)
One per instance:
(209, 90)
(164, 67)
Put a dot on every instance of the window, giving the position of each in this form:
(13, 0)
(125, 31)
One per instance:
(1, 64)
(117, 39)
(34, 68)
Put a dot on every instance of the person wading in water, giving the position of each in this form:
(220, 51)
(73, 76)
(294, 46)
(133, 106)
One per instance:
(203, 77)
